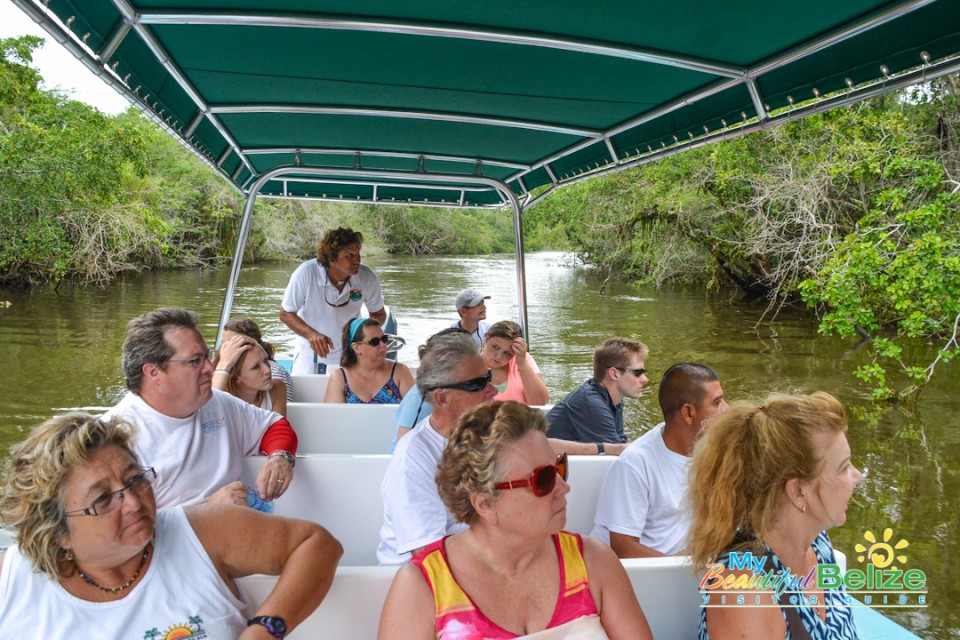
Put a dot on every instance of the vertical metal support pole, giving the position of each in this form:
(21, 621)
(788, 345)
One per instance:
(237, 261)
(521, 273)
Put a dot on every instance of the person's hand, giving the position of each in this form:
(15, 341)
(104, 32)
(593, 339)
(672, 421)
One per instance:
(519, 349)
(232, 349)
(321, 344)
(274, 479)
(233, 493)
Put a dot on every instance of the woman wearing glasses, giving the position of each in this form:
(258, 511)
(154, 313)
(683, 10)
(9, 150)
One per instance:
(516, 375)
(365, 375)
(96, 559)
(514, 573)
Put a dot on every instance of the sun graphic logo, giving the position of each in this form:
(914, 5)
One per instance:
(881, 553)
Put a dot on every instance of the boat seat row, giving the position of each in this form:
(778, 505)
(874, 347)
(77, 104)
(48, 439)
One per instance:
(342, 492)
(345, 428)
(665, 587)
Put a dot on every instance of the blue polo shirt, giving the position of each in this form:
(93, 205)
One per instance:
(587, 415)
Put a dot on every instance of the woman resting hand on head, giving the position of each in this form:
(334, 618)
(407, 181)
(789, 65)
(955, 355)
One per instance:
(770, 481)
(365, 375)
(95, 559)
(243, 370)
(514, 573)
(516, 375)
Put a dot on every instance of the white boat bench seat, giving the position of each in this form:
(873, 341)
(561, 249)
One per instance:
(342, 492)
(343, 428)
(665, 587)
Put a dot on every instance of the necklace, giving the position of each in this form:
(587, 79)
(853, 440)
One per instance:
(116, 590)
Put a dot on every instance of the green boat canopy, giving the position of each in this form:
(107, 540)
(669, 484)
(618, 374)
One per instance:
(478, 104)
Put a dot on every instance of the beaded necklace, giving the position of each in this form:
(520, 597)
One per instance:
(116, 590)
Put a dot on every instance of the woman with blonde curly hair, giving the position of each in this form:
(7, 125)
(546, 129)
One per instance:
(94, 557)
(514, 573)
(769, 481)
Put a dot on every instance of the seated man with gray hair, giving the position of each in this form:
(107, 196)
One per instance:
(452, 378)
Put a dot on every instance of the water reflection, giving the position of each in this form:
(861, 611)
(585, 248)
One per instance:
(62, 350)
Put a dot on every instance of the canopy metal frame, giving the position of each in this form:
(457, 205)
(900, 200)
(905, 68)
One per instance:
(371, 178)
(500, 147)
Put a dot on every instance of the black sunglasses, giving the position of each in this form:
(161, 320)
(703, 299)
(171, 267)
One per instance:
(472, 385)
(374, 342)
(639, 371)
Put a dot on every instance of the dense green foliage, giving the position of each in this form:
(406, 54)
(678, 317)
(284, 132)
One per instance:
(85, 196)
(854, 211)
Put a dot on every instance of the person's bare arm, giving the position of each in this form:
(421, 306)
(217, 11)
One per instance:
(620, 613)
(534, 388)
(228, 355)
(233, 493)
(278, 397)
(320, 343)
(242, 542)
(409, 612)
(335, 389)
(629, 547)
(574, 448)
(740, 623)
(404, 379)
(380, 316)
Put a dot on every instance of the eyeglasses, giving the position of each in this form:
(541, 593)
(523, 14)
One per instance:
(337, 305)
(639, 371)
(196, 361)
(110, 501)
(543, 480)
(472, 385)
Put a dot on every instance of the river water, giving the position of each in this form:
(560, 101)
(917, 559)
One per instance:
(60, 350)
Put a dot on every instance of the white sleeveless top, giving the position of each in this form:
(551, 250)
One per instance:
(180, 596)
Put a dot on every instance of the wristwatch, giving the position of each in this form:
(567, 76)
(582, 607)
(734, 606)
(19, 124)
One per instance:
(601, 450)
(275, 625)
(286, 455)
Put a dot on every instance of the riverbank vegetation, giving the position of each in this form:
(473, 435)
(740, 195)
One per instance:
(854, 213)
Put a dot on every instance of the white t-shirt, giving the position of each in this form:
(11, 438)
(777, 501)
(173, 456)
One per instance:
(195, 456)
(642, 495)
(482, 327)
(413, 513)
(181, 595)
(312, 296)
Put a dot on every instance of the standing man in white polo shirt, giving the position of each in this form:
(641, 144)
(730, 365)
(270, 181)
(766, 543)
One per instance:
(473, 313)
(326, 293)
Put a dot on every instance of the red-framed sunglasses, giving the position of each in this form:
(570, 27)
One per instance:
(542, 480)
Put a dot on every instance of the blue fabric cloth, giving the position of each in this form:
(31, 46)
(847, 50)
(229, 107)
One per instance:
(388, 393)
(413, 409)
(587, 415)
(801, 620)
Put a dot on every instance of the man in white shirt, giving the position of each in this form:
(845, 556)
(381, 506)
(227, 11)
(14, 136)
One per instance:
(452, 378)
(325, 294)
(473, 314)
(193, 436)
(639, 512)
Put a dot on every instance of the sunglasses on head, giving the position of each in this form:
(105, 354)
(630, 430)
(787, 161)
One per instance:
(639, 371)
(472, 385)
(543, 479)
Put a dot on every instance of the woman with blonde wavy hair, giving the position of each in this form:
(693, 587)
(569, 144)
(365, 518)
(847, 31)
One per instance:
(769, 481)
(94, 557)
(514, 573)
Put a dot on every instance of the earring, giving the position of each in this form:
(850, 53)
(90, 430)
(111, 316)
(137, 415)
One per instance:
(68, 554)
(803, 509)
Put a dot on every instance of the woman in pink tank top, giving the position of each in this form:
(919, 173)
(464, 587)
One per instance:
(514, 573)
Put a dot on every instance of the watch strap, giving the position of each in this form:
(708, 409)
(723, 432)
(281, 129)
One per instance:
(275, 625)
(286, 455)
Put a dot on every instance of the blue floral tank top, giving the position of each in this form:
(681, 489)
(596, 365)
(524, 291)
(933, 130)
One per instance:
(388, 394)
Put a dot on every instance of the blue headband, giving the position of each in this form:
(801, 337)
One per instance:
(354, 325)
